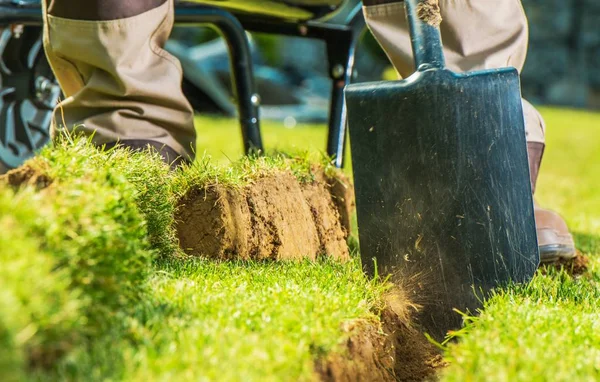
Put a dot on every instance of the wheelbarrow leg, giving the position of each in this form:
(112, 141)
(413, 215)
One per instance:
(241, 66)
(341, 49)
(233, 33)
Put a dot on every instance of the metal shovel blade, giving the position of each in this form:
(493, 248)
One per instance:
(442, 184)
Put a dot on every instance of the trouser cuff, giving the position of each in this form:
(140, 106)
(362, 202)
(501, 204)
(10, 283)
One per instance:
(119, 82)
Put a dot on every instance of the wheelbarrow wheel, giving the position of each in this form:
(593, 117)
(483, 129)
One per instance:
(28, 94)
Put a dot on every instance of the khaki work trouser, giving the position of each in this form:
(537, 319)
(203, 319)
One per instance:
(476, 34)
(119, 82)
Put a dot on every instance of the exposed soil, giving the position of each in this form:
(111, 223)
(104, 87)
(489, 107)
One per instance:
(395, 351)
(342, 192)
(331, 235)
(429, 12)
(275, 217)
(575, 267)
(24, 176)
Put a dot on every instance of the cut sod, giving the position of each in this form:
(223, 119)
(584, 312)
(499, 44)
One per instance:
(274, 214)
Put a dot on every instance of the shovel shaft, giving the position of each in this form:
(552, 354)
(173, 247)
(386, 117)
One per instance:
(425, 34)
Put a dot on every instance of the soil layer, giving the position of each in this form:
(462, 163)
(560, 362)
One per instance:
(576, 266)
(342, 192)
(24, 176)
(394, 351)
(275, 217)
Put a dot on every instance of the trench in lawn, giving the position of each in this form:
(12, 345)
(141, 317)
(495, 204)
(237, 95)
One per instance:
(281, 217)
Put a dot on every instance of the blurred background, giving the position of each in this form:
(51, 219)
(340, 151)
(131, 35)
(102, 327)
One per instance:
(563, 62)
(562, 68)
(292, 73)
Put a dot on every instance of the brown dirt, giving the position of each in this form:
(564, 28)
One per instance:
(429, 12)
(575, 267)
(26, 176)
(395, 351)
(275, 217)
(342, 192)
(331, 234)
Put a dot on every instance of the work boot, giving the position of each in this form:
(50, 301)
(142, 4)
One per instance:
(121, 86)
(554, 240)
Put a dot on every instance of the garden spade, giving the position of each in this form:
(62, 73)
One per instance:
(441, 173)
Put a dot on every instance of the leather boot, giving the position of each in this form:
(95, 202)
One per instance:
(554, 239)
(120, 84)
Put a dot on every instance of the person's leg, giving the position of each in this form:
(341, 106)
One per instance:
(477, 34)
(119, 82)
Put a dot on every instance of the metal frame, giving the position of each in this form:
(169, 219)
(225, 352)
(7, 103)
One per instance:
(341, 40)
(241, 66)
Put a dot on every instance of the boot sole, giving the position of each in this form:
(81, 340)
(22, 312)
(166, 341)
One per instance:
(556, 252)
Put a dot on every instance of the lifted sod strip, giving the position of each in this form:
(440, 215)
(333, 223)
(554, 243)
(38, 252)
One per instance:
(93, 257)
(275, 213)
(40, 315)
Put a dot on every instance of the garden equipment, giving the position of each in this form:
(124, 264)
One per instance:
(441, 174)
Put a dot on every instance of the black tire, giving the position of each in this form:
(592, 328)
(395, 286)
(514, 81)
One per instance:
(28, 94)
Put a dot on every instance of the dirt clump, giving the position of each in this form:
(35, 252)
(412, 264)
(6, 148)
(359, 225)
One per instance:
(342, 193)
(393, 351)
(429, 12)
(327, 210)
(26, 175)
(576, 266)
(274, 217)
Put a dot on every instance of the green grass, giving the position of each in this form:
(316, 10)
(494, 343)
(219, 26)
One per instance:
(550, 329)
(249, 321)
(38, 308)
(220, 139)
(245, 170)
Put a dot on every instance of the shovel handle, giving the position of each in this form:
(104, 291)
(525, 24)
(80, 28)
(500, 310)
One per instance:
(423, 21)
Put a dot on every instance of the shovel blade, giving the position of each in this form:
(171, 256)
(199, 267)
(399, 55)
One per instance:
(443, 194)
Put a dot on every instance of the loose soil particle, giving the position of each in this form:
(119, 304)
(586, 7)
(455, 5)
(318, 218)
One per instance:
(395, 351)
(429, 12)
(275, 217)
(24, 176)
(575, 267)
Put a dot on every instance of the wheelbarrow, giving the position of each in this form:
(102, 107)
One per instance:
(28, 90)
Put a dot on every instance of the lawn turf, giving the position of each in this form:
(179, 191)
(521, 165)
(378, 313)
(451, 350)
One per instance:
(201, 320)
